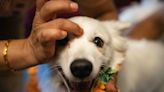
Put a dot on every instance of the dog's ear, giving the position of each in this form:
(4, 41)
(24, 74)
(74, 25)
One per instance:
(115, 29)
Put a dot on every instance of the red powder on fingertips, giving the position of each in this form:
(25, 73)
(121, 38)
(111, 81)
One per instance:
(69, 45)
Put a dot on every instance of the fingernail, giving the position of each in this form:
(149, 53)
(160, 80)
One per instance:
(80, 33)
(74, 6)
(64, 34)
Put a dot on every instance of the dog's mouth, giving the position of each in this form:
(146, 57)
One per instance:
(80, 86)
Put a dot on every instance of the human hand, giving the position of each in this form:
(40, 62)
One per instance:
(47, 29)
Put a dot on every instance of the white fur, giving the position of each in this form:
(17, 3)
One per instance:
(140, 55)
(143, 69)
(82, 47)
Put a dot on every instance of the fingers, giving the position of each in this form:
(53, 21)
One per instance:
(51, 35)
(39, 4)
(47, 9)
(68, 26)
(64, 24)
(58, 29)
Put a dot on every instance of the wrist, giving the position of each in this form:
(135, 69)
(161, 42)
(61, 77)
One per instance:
(19, 55)
(29, 55)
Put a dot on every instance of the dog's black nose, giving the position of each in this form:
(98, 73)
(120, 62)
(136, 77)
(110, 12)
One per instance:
(81, 68)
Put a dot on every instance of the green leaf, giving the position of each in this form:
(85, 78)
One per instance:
(107, 75)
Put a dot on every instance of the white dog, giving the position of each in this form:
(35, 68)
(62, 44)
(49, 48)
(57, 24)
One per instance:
(80, 60)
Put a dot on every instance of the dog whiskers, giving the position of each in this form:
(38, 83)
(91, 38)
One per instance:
(59, 71)
(54, 67)
(64, 81)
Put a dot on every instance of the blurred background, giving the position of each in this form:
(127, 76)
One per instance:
(16, 16)
(12, 17)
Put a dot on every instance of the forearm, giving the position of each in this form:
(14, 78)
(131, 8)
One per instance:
(18, 55)
(101, 9)
(2, 64)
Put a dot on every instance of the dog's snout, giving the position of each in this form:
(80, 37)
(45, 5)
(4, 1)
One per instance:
(81, 68)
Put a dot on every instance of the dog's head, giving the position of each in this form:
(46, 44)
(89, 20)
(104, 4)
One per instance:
(101, 46)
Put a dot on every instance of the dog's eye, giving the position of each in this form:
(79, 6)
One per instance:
(98, 42)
